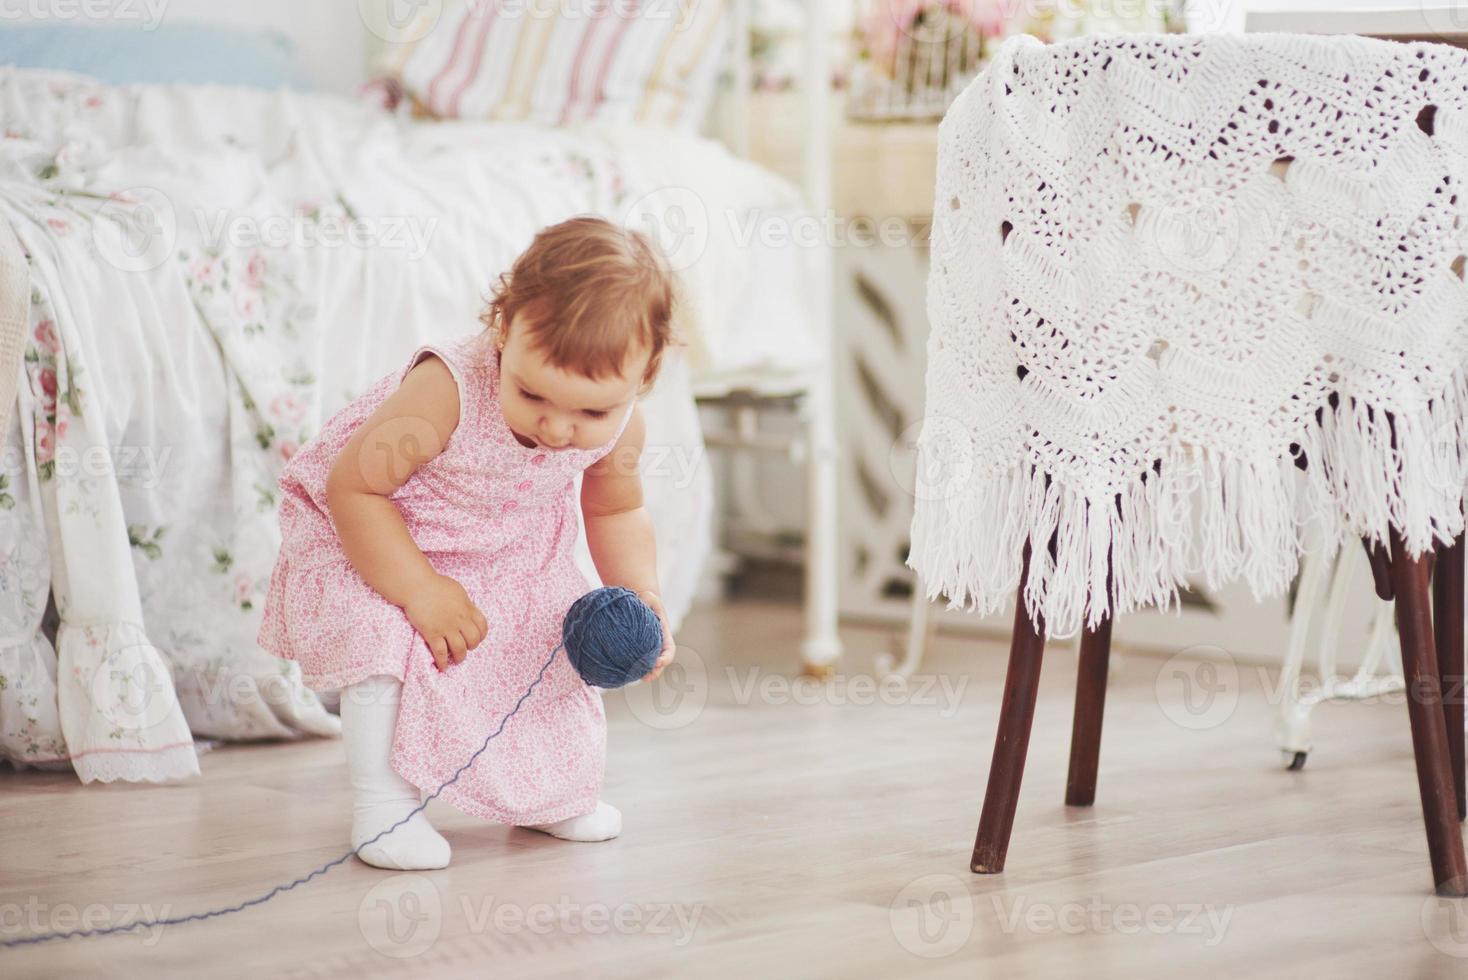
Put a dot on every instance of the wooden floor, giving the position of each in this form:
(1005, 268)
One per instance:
(768, 836)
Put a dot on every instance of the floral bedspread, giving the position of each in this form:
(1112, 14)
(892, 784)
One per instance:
(213, 273)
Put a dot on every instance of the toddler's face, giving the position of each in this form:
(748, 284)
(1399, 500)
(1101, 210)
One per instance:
(556, 409)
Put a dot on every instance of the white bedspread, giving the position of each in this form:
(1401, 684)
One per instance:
(214, 272)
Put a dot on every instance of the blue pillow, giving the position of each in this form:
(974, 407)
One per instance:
(171, 52)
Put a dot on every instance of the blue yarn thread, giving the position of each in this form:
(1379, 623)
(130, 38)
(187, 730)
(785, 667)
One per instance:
(623, 646)
(622, 624)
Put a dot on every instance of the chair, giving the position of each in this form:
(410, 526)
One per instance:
(1191, 298)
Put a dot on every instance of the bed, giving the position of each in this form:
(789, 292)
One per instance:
(195, 276)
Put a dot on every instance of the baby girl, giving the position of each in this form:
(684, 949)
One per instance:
(427, 547)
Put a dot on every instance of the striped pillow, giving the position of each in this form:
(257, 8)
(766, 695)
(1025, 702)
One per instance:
(565, 61)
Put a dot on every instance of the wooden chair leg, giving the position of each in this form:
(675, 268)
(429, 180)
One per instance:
(1447, 624)
(1429, 730)
(1012, 742)
(1085, 730)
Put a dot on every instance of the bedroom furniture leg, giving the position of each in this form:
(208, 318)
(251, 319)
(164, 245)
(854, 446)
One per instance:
(1085, 732)
(1012, 741)
(1429, 731)
(1447, 623)
(921, 626)
(822, 645)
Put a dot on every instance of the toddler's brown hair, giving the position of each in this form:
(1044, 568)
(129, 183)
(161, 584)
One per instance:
(591, 292)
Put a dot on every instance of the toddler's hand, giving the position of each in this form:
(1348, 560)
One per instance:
(665, 657)
(448, 622)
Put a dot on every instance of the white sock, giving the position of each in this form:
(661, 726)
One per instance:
(382, 798)
(603, 823)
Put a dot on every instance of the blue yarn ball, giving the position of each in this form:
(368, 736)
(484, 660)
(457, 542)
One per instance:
(612, 637)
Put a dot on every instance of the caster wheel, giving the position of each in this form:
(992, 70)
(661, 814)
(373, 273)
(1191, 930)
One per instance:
(1297, 762)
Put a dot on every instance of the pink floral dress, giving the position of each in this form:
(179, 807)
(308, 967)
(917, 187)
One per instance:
(502, 520)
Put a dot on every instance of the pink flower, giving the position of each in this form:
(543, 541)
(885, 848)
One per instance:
(58, 224)
(206, 272)
(288, 449)
(46, 337)
(93, 102)
(242, 587)
(48, 382)
(44, 440)
(890, 21)
(255, 271)
(61, 423)
(287, 408)
(248, 307)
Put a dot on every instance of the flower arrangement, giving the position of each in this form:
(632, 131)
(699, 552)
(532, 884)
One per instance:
(891, 27)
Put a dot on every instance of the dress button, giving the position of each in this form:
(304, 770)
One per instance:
(539, 460)
(509, 506)
(524, 486)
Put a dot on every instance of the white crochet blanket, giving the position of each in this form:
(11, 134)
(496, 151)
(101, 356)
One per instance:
(1165, 269)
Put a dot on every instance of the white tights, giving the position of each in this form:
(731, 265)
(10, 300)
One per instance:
(382, 798)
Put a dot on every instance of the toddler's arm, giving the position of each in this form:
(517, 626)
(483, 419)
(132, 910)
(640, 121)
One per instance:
(619, 531)
(409, 428)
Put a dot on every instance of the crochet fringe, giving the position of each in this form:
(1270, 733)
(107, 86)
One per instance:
(1196, 516)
